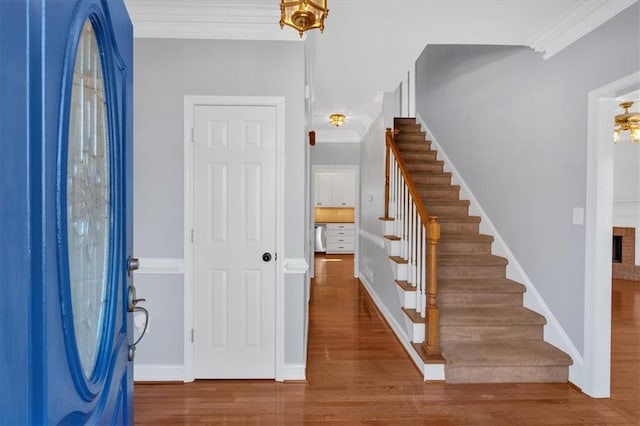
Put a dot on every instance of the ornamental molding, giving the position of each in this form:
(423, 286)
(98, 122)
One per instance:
(577, 21)
(204, 19)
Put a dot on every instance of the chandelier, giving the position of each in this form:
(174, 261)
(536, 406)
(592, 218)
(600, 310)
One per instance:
(627, 121)
(303, 15)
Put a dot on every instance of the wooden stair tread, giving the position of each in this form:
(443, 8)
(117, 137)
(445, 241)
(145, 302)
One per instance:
(398, 259)
(479, 285)
(499, 354)
(426, 358)
(414, 316)
(478, 316)
(405, 285)
(470, 260)
(392, 238)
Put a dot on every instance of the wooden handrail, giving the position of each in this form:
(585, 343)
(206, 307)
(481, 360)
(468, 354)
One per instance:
(391, 146)
(430, 224)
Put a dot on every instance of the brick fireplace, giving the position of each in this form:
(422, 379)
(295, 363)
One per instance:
(624, 266)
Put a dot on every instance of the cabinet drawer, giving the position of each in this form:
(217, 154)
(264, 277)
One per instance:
(340, 239)
(340, 233)
(340, 248)
(340, 226)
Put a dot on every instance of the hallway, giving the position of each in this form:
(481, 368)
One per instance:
(359, 374)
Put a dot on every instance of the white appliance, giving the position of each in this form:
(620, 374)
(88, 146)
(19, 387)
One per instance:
(320, 237)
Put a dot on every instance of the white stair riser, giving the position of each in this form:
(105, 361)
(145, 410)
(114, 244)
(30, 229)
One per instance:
(392, 247)
(388, 227)
(409, 299)
(417, 333)
(399, 271)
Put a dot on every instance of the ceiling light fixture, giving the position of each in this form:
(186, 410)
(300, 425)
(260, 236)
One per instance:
(303, 15)
(337, 119)
(627, 121)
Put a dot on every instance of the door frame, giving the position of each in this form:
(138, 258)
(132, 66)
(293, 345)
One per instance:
(596, 376)
(190, 102)
(356, 207)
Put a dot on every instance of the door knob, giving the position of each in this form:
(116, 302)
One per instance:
(266, 257)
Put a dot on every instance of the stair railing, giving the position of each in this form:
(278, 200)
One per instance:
(419, 234)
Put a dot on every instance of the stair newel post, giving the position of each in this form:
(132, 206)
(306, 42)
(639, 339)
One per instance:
(432, 341)
(387, 164)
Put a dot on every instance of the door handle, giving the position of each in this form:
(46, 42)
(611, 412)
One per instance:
(131, 299)
(266, 257)
(132, 307)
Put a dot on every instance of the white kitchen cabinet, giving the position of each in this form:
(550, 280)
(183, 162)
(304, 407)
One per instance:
(340, 238)
(334, 188)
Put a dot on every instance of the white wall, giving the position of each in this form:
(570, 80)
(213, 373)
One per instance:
(515, 126)
(335, 153)
(165, 71)
(372, 258)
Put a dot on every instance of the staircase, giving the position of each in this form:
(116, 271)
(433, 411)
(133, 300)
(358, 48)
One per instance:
(486, 334)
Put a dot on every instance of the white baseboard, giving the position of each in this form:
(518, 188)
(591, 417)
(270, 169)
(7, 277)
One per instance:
(295, 372)
(158, 372)
(553, 331)
(431, 371)
(175, 372)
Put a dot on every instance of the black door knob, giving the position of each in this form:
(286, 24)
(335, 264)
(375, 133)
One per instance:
(266, 257)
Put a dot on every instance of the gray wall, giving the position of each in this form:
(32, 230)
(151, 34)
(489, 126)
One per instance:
(515, 126)
(373, 260)
(165, 71)
(335, 153)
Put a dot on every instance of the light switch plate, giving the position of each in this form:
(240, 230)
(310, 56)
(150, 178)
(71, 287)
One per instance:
(578, 216)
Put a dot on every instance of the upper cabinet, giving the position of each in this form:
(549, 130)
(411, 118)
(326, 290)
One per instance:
(334, 188)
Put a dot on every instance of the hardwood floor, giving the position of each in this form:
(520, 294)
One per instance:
(358, 374)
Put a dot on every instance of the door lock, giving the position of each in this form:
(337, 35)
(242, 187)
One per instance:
(133, 264)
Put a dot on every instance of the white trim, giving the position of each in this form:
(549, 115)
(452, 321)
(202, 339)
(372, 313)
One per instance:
(598, 230)
(204, 19)
(576, 22)
(553, 331)
(161, 265)
(190, 101)
(295, 372)
(374, 110)
(296, 265)
(434, 371)
(375, 239)
(158, 372)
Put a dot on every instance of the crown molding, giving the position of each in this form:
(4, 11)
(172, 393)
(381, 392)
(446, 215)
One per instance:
(204, 19)
(577, 21)
(374, 110)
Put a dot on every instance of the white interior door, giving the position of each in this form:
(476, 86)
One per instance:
(234, 231)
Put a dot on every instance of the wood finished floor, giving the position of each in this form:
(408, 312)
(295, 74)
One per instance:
(358, 374)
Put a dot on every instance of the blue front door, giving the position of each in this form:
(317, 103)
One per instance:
(65, 212)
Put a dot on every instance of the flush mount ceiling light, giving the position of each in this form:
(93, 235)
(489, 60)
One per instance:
(303, 15)
(627, 121)
(337, 119)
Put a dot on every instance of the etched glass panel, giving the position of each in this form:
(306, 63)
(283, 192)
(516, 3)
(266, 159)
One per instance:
(88, 204)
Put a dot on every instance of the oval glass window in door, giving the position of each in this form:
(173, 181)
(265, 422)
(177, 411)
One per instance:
(88, 199)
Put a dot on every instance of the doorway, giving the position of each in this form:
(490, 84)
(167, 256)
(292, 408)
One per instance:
(599, 223)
